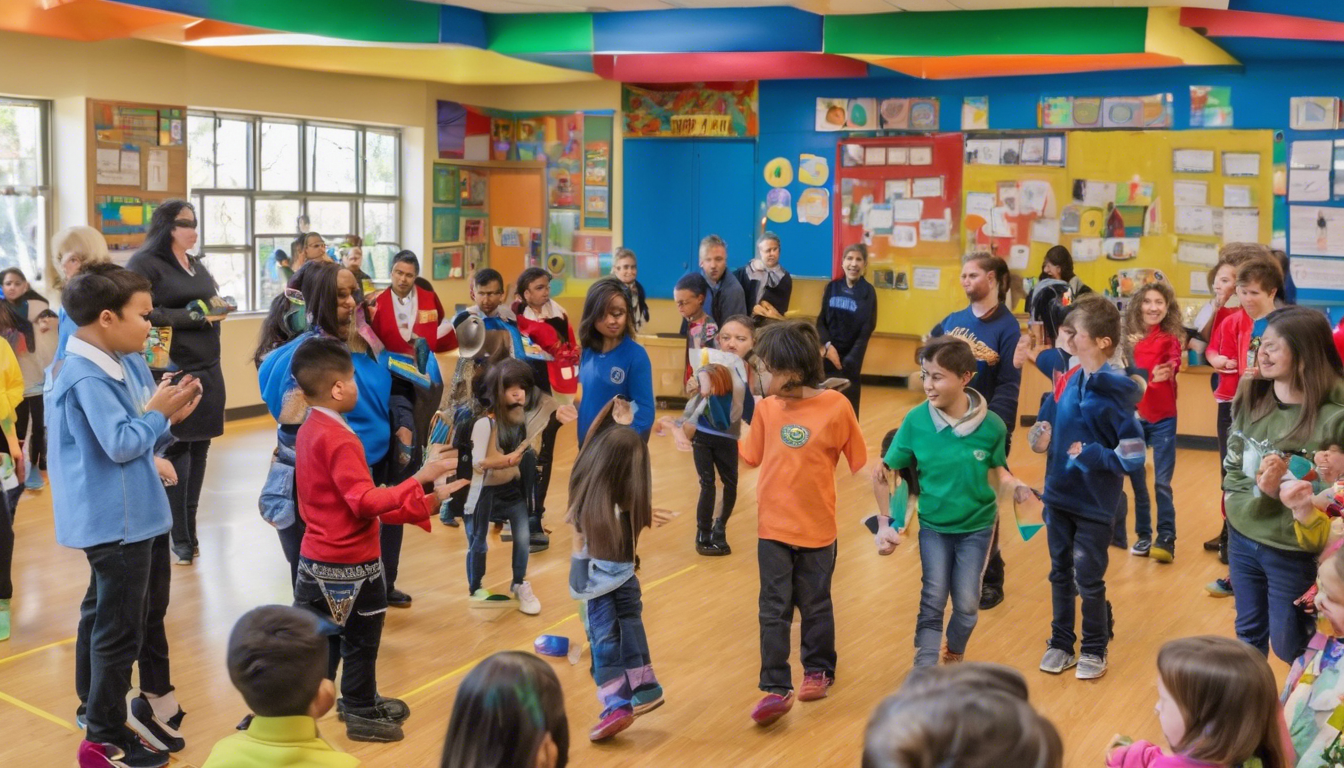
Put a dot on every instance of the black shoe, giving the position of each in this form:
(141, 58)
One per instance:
(1110, 621)
(387, 708)
(990, 597)
(718, 536)
(1141, 547)
(1164, 549)
(358, 728)
(704, 545)
(1120, 543)
(1222, 553)
(540, 541)
(1212, 544)
(398, 599)
(155, 732)
(131, 754)
(452, 522)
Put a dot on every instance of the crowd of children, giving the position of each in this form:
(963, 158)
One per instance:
(348, 377)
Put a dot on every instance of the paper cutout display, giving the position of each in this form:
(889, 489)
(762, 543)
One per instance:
(1210, 106)
(1087, 113)
(779, 205)
(1086, 249)
(1121, 248)
(923, 115)
(975, 113)
(832, 114)
(862, 115)
(813, 170)
(725, 109)
(904, 236)
(935, 230)
(1314, 113)
(814, 205)
(921, 155)
(778, 172)
(1122, 113)
(898, 155)
(895, 114)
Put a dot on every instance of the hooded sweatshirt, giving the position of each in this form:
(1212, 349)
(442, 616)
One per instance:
(954, 457)
(1096, 410)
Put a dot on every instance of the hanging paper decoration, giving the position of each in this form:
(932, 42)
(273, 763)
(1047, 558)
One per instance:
(779, 205)
(814, 205)
(778, 172)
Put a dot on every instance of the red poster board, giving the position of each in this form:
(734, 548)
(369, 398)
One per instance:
(879, 171)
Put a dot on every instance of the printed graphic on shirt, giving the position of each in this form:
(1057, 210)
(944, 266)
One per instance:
(794, 435)
(844, 303)
(980, 455)
(983, 352)
(617, 375)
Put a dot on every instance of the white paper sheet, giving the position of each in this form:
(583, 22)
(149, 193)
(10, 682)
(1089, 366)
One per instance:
(898, 155)
(1098, 194)
(896, 189)
(907, 210)
(921, 155)
(1308, 186)
(1054, 150)
(928, 187)
(1086, 249)
(109, 160)
(116, 168)
(904, 236)
(1315, 231)
(979, 204)
(982, 151)
(926, 278)
(1311, 155)
(1037, 197)
(1187, 192)
(1018, 256)
(1192, 252)
(999, 225)
(1327, 274)
(1192, 160)
(1237, 196)
(874, 155)
(1241, 225)
(935, 230)
(1241, 163)
(1045, 231)
(879, 219)
(1194, 220)
(1033, 151)
(1199, 283)
(156, 171)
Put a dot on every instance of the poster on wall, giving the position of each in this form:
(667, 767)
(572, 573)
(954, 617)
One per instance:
(452, 119)
(597, 141)
(700, 110)
(501, 137)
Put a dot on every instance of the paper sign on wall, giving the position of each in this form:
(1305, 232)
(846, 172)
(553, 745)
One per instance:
(929, 187)
(1241, 225)
(898, 155)
(156, 171)
(1238, 196)
(921, 155)
(1045, 231)
(1311, 155)
(1098, 194)
(1086, 249)
(1243, 163)
(907, 210)
(896, 189)
(1308, 186)
(1192, 252)
(1192, 160)
(935, 230)
(1315, 231)
(904, 236)
(926, 278)
(1325, 274)
(1194, 220)
(1186, 192)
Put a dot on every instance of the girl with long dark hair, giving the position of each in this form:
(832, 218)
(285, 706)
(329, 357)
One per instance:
(509, 713)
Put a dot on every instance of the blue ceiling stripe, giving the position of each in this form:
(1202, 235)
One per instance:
(464, 26)
(1329, 10)
(707, 30)
(1274, 49)
(580, 62)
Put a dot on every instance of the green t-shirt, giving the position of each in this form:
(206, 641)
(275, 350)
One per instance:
(954, 491)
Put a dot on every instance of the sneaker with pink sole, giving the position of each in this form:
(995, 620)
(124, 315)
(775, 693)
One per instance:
(815, 686)
(772, 707)
(616, 721)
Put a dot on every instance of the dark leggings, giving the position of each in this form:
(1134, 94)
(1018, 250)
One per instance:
(714, 452)
(36, 445)
(188, 459)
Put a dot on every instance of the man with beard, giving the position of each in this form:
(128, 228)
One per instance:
(992, 331)
(498, 441)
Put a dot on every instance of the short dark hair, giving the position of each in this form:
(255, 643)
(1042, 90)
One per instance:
(407, 257)
(952, 353)
(318, 362)
(530, 276)
(101, 287)
(1263, 271)
(484, 277)
(695, 283)
(792, 346)
(277, 659)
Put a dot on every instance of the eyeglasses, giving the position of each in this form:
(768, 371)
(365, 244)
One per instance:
(185, 223)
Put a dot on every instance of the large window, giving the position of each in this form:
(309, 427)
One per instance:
(252, 178)
(24, 185)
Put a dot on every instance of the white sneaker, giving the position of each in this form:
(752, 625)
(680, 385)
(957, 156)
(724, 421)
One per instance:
(527, 601)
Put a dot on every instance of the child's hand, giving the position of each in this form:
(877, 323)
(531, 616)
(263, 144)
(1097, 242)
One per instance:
(443, 492)
(1022, 494)
(1023, 351)
(567, 414)
(693, 386)
(1272, 469)
(190, 408)
(1296, 495)
(171, 397)
(662, 517)
(1163, 372)
(167, 472)
(440, 452)
(1039, 436)
(833, 356)
(1075, 449)
(887, 540)
(433, 470)
(880, 475)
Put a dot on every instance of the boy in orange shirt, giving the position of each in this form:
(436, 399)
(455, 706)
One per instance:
(798, 434)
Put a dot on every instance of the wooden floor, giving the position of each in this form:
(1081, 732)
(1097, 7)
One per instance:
(700, 614)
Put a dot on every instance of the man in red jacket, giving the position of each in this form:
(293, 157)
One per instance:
(410, 311)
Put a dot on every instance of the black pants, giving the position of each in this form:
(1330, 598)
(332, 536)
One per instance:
(291, 540)
(795, 577)
(6, 549)
(542, 483)
(362, 633)
(188, 459)
(120, 621)
(1078, 560)
(994, 568)
(714, 452)
(30, 411)
(389, 546)
(1224, 428)
(850, 372)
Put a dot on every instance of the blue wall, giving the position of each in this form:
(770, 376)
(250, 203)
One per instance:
(1260, 99)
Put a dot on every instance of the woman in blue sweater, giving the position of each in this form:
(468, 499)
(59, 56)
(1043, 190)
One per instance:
(613, 363)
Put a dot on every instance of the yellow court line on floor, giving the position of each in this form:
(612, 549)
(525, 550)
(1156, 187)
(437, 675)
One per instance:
(575, 615)
(26, 707)
(38, 649)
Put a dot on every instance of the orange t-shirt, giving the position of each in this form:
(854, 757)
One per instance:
(796, 443)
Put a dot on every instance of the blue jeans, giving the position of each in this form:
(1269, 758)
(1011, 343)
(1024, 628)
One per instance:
(502, 502)
(954, 564)
(621, 662)
(1161, 437)
(1265, 582)
(1078, 560)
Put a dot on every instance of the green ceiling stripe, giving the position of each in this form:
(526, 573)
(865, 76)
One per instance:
(1038, 31)
(511, 33)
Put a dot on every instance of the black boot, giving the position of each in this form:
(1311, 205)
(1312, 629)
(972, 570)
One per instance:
(719, 537)
(704, 544)
(1222, 545)
(1213, 544)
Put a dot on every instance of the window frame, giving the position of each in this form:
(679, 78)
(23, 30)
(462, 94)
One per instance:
(41, 277)
(304, 194)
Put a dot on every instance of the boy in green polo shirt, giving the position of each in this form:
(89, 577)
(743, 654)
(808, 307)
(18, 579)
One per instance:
(955, 443)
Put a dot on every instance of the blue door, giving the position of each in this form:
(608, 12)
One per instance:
(677, 191)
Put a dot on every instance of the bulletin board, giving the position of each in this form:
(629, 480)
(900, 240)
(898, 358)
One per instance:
(910, 271)
(1011, 208)
(1120, 156)
(137, 159)
(486, 214)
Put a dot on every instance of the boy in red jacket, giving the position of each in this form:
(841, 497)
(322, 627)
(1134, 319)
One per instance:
(340, 573)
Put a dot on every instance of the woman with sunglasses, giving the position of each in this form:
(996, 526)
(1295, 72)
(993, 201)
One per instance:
(187, 301)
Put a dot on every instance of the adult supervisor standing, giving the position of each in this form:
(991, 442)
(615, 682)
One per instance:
(179, 281)
(992, 331)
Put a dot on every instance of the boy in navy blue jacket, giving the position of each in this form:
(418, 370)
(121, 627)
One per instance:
(105, 419)
(1094, 440)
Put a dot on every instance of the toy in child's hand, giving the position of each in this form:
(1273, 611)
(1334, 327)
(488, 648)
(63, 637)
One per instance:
(1300, 468)
(836, 383)
(214, 309)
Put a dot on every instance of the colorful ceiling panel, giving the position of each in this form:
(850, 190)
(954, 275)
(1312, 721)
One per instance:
(648, 41)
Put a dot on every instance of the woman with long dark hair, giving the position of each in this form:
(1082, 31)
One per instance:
(613, 364)
(180, 280)
(37, 324)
